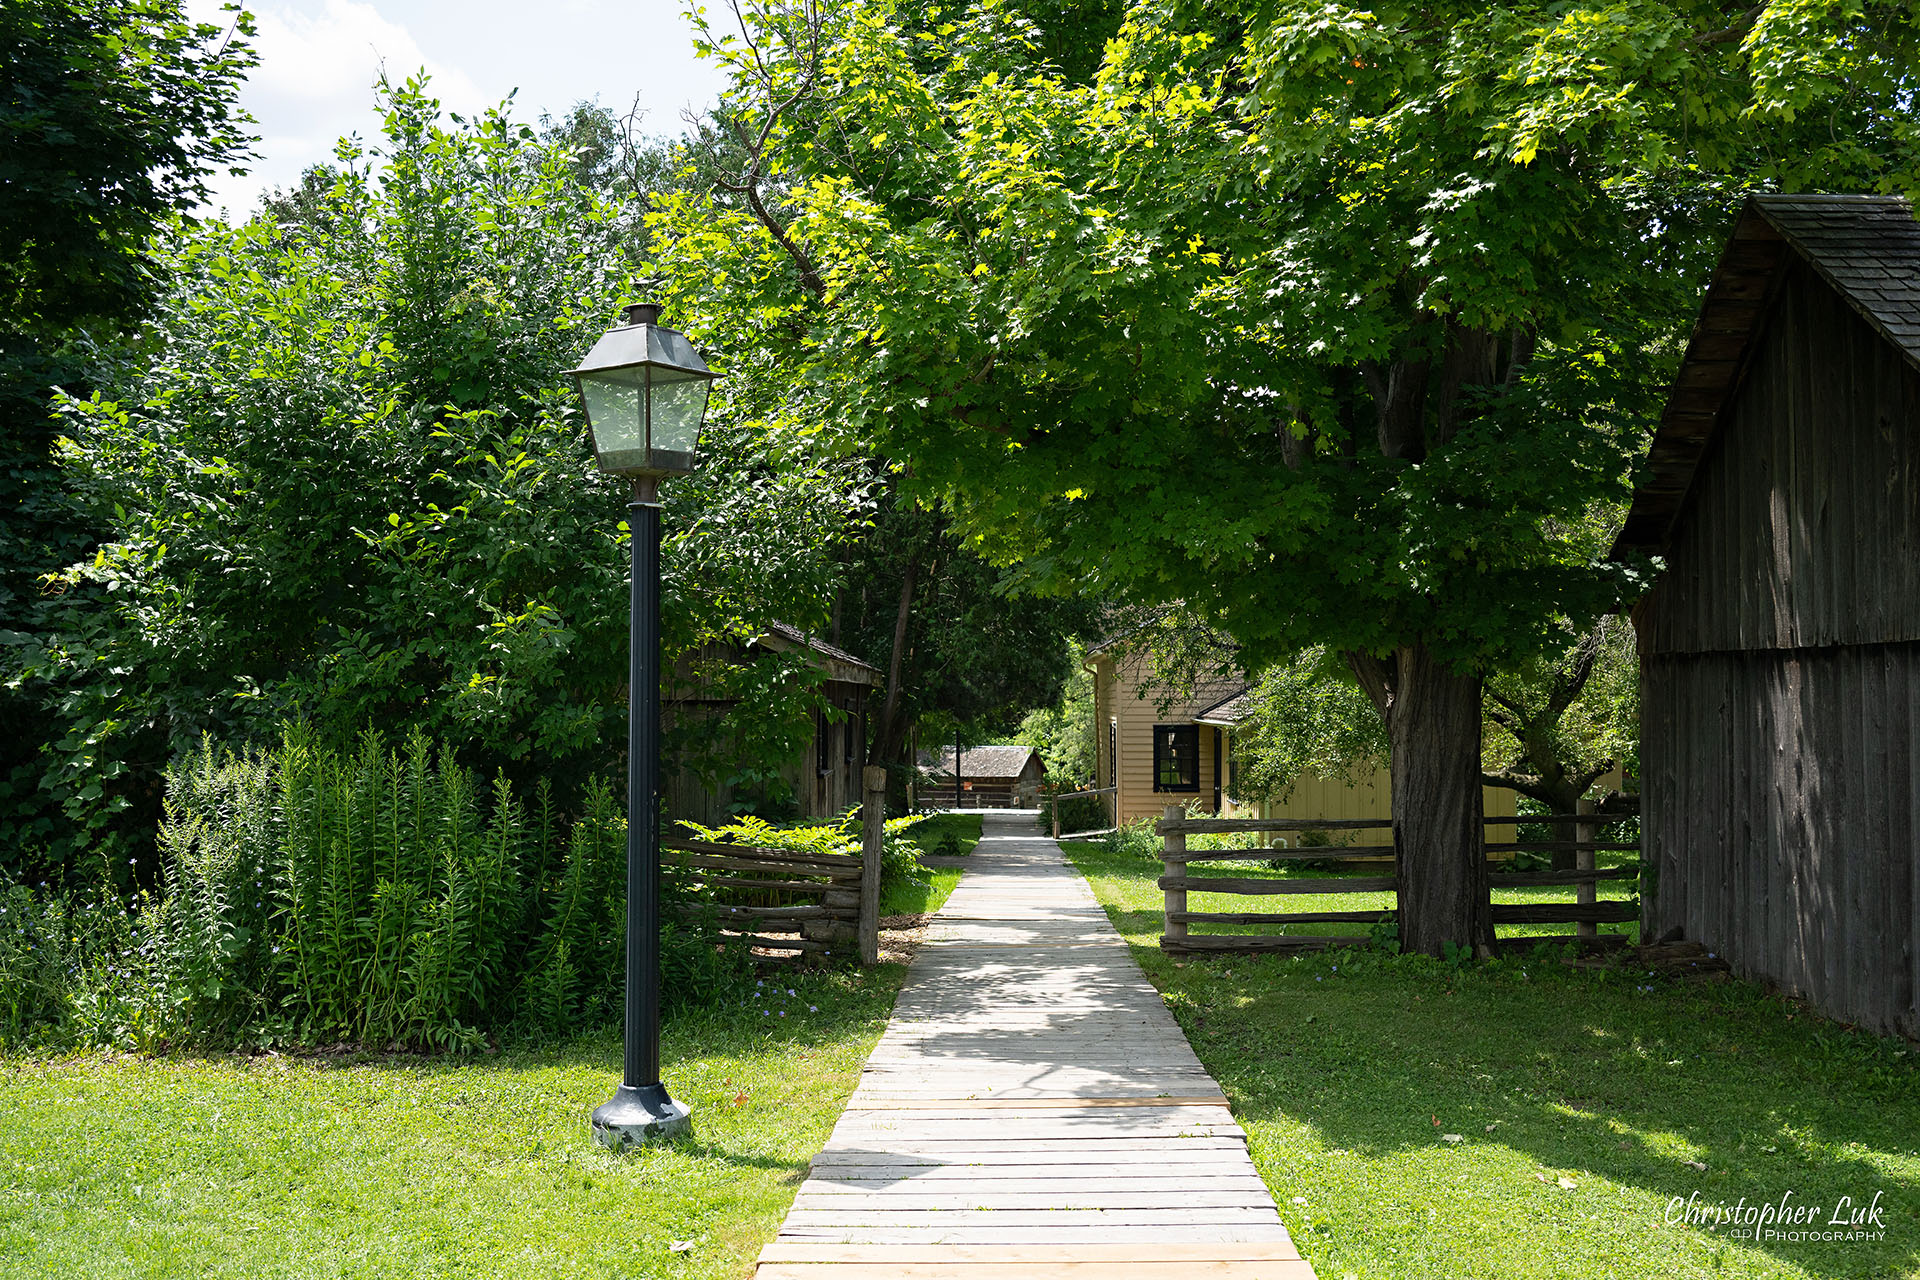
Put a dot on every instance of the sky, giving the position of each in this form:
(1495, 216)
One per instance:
(318, 60)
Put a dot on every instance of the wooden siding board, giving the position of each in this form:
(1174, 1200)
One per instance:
(1907, 784)
(1800, 509)
(1782, 802)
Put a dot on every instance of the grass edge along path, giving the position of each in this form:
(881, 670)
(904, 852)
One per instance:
(1521, 1119)
(401, 1166)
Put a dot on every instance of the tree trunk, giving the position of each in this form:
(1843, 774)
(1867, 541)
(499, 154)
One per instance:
(891, 732)
(1433, 723)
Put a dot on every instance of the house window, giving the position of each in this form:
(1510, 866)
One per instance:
(1176, 757)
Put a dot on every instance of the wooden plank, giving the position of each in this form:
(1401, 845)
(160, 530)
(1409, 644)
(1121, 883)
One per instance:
(1031, 1104)
(704, 862)
(1038, 1151)
(1259, 942)
(1522, 819)
(1331, 853)
(1283, 917)
(788, 944)
(727, 911)
(1172, 854)
(1138, 1270)
(1032, 1255)
(1200, 826)
(755, 853)
(780, 886)
(1519, 879)
(974, 1198)
(1253, 885)
(1100, 1233)
(1564, 912)
(1092, 1175)
(1553, 846)
(1050, 1218)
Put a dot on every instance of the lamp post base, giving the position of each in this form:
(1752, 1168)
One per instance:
(635, 1117)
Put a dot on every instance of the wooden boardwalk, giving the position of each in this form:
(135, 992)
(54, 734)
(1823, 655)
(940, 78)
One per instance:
(1031, 1111)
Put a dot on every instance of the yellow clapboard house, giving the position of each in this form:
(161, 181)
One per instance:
(1160, 748)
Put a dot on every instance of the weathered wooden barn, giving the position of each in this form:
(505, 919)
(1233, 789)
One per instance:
(1780, 648)
(822, 781)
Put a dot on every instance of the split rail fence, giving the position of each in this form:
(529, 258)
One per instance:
(786, 904)
(1585, 913)
(1108, 810)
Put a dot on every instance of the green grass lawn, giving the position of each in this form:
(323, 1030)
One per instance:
(904, 898)
(1579, 1099)
(404, 1167)
(930, 831)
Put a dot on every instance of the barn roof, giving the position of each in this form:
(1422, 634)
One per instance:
(988, 762)
(840, 664)
(1866, 247)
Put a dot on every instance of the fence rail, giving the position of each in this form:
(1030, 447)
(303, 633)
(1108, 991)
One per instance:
(1113, 819)
(841, 907)
(1176, 882)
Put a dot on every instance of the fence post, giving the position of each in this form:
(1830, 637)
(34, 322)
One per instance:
(1586, 893)
(1055, 802)
(1174, 842)
(873, 834)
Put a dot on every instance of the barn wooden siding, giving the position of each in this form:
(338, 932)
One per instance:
(1781, 671)
(1780, 823)
(1803, 526)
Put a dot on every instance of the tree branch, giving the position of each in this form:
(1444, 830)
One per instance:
(1376, 677)
(1736, 32)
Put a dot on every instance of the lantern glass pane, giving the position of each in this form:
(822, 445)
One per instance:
(679, 403)
(616, 414)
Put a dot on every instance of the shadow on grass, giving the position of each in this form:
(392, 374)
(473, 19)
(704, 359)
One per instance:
(1616, 1075)
(1583, 1073)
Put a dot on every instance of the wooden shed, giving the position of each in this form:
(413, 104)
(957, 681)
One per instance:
(1780, 647)
(1005, 777)
(824, 779)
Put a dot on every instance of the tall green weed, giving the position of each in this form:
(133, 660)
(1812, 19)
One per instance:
(381, 897)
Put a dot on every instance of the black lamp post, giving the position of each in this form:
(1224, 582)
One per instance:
(645, 390)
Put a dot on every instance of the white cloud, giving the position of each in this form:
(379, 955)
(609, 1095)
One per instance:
(319, 59)
(314, 85)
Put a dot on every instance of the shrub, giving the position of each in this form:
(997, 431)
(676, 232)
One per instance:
(1081, 813)
(379, 898)
(1135, 840)
(899, 853)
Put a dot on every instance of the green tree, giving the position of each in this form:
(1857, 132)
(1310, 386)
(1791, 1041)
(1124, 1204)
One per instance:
(1306, 717)
(1063, 733)
(1324, 319)
(959, 642)
(112, 117)
(351, 483)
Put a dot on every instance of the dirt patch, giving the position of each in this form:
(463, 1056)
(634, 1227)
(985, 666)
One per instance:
(900, 936)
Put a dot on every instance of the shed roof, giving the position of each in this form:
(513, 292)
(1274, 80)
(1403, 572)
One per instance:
(840, 664)
(1229, 711)
(1866, 247)
(989, 762)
